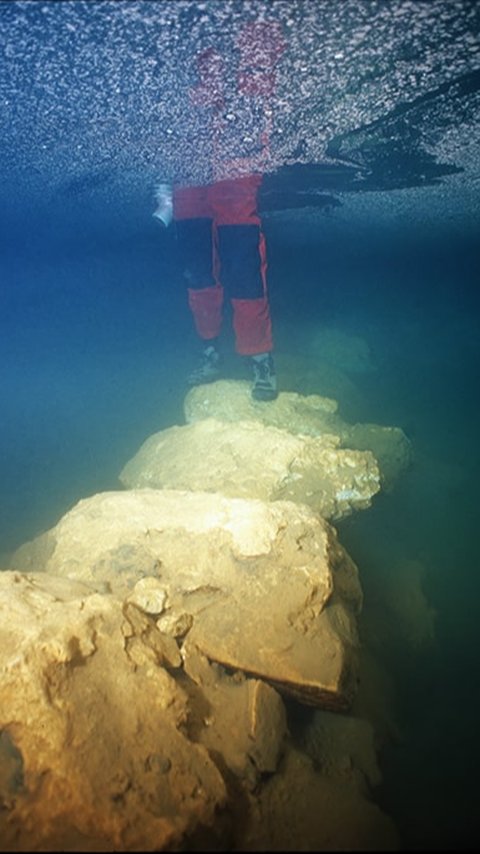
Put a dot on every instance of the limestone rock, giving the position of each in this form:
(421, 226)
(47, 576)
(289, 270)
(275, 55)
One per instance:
(252, 460)
(306, 376)
(231, 400)
(97, 754)
(389, 445)
(309, 415)
(149, 595)
(246, 721)
(349, 352)
(343, 746)
(267, 586)
(103, 750)
(302, 810)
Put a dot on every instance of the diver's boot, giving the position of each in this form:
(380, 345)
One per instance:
(208, 369)
(264, 377)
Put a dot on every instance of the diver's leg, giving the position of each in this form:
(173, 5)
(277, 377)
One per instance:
(243, 264)
(198, 250)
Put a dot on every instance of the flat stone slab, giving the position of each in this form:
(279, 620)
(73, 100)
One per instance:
(260, 587)
(248, 459)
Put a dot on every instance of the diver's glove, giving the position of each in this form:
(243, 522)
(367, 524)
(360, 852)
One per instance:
(164, 198)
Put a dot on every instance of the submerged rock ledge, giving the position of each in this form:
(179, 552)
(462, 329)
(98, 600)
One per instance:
(252, 460)
(152, 641)
(262, 587)
(305, 415)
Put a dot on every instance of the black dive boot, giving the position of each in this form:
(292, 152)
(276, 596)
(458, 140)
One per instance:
(264, 377)
(208, 369)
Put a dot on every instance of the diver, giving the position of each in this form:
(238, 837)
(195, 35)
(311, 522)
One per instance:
(219, 228)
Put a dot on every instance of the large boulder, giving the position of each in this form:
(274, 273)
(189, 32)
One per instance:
(231, 400)
(110, 741)
(248, 459)
(308, 415)
(94, 751)
(261, 587)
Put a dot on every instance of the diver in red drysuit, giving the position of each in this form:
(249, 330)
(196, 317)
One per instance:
(218, 225)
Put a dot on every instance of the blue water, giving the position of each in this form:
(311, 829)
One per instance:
(417, 304)
(95, 339)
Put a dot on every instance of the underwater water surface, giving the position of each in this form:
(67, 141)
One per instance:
(95, 343)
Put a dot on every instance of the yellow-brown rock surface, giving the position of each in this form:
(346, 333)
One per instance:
(97, 749)
(248, 459)
(309, 415)
(262, 587)
(104, 746)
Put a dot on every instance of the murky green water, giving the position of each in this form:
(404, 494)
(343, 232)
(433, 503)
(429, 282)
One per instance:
(94, 348)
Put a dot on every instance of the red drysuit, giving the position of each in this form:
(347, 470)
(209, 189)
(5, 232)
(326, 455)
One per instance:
(218, 225)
